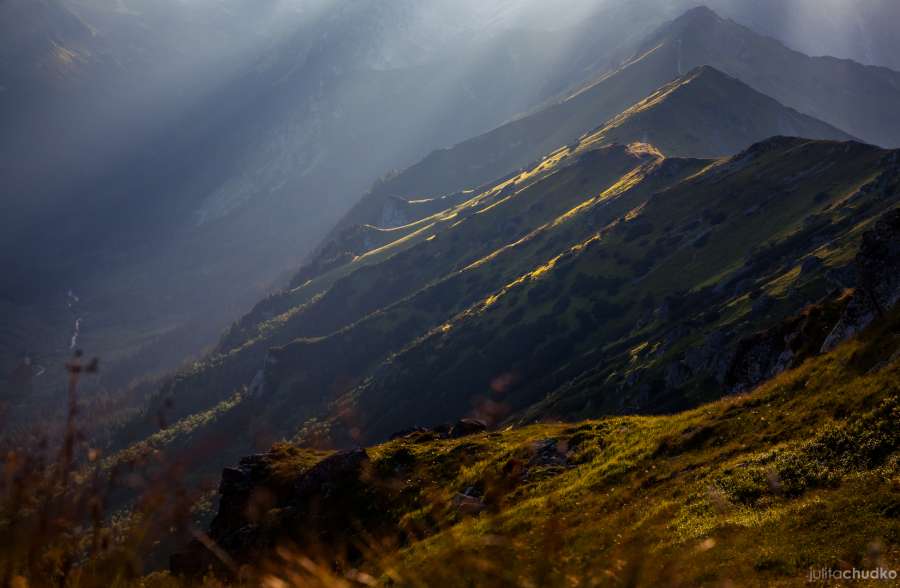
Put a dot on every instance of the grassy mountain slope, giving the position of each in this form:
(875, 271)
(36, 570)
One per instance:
(643, 314)
(574, 319)
(754, 490)
(424, 257)
(855, 98)
(603, 279)
(329, 333)
(157, 197)
(702, 114)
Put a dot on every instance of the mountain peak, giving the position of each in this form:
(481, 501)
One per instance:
(700, 13)
(700, 19)
(708, 74)
(709, 78)
(784, 144)
(708, 113)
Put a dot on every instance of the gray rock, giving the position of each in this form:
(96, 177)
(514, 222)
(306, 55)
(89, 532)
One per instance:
(466, 427)
(468, 505)
(878, 280)
(547, 452)
(762, 305)
(810, 265)
(677, 375)
(341, 469)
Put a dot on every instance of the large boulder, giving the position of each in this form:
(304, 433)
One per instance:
(878, 280)
(839, 317)
(766, 354)
(332, 503)
(331, 476)
(465, 427)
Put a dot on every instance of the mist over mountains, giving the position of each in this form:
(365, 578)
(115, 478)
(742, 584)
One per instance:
(362, 276)
(148, 142)
(171, 152)
(389, 275)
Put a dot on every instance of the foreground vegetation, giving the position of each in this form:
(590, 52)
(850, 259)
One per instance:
(757, 488)
(753, 490)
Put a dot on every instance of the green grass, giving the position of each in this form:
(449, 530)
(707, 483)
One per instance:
(755, 490)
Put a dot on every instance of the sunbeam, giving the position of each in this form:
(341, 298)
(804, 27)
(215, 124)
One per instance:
(449, 292)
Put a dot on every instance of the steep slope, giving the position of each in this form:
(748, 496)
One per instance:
(851, 96)
(760, 489)
(702, 114)
(442, 245)
(295, 314)
(635, 293)
(216, 143)
(854, 98)
(646, 313)
(606, 280)
(709, 114)
(485, 286)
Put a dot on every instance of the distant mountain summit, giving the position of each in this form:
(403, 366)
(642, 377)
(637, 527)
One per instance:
(859, 100)
(856, 98)
(605, 279)
(707, 113)
(704, 113)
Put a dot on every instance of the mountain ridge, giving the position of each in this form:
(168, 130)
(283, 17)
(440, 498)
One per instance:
(755, 117)
(661, 492)
(808, 84)
(664, 55)
(344, 373)
(321, 340)
(387, 393)
(650, 327)
(716, 116)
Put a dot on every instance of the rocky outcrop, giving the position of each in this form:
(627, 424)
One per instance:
(394, 213)
(330, 476)
(823, 326)
(342, 502)
(711, 356)
(332, 503)
(465, 427)
(548, 453)
(461, 428)
(467, 504)
(766, 354)
(878, 280)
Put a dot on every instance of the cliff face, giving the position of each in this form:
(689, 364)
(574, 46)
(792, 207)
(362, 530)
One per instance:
(261, 507)
(878, 289)
(312, 500)
(766, 354)
(821, 327)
